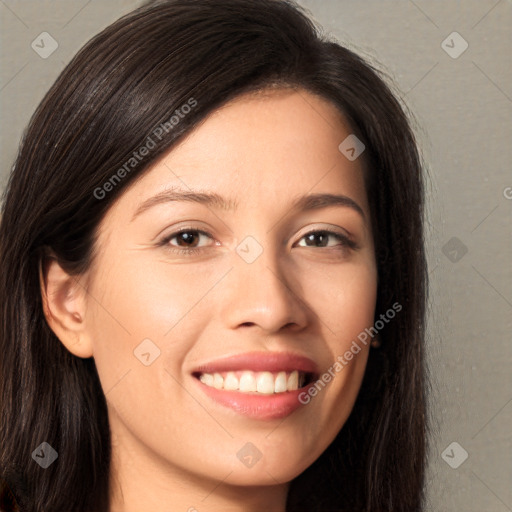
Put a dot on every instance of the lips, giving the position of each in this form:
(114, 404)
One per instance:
(262, 385)
(260, 362)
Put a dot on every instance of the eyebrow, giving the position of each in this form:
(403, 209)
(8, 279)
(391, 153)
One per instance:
(303, 203)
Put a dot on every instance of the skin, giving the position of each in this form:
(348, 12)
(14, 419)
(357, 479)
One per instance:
(173, 447)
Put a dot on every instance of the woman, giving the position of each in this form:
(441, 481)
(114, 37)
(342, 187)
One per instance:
(214, 281)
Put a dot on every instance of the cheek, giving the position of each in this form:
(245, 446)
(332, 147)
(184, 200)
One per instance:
(148, 298)
(343, 295)
(144, 322)
(141, 305)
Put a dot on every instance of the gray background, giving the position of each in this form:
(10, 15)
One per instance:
(463, 107)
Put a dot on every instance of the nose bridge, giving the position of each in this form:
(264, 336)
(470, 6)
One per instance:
(262, 290)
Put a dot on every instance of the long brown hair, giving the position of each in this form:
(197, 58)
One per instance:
(124, 82)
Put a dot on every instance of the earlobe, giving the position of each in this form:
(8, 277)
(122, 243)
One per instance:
(63, 298)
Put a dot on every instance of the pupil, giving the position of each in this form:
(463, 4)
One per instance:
(321, 236)
(186, 236)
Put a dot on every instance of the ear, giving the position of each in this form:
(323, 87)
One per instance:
(64, 305)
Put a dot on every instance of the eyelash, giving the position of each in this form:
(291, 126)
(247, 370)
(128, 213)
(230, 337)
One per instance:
(345, 242)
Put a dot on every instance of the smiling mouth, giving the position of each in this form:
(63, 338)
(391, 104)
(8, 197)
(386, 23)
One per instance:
(257, 383)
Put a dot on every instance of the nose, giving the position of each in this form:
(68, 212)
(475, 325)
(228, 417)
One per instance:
(264, 294)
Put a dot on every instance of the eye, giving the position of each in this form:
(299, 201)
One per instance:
(188, 237)
(323, 236)
(189, 240)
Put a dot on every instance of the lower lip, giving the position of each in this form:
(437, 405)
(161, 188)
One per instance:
(258, 406)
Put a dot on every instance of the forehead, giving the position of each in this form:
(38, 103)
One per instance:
(257, 149)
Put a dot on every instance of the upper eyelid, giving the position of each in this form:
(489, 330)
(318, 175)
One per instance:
(186, 230)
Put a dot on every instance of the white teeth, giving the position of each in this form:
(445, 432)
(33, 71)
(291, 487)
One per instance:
(231, 382)
(265, 383)
(218, 381)
(206, 378)
(280, 385)
(247, 382)
(293, 381)
(261, 382)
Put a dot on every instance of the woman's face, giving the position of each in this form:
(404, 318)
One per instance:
(161, 308)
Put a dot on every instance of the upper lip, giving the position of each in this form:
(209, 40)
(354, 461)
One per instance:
(260, 362)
